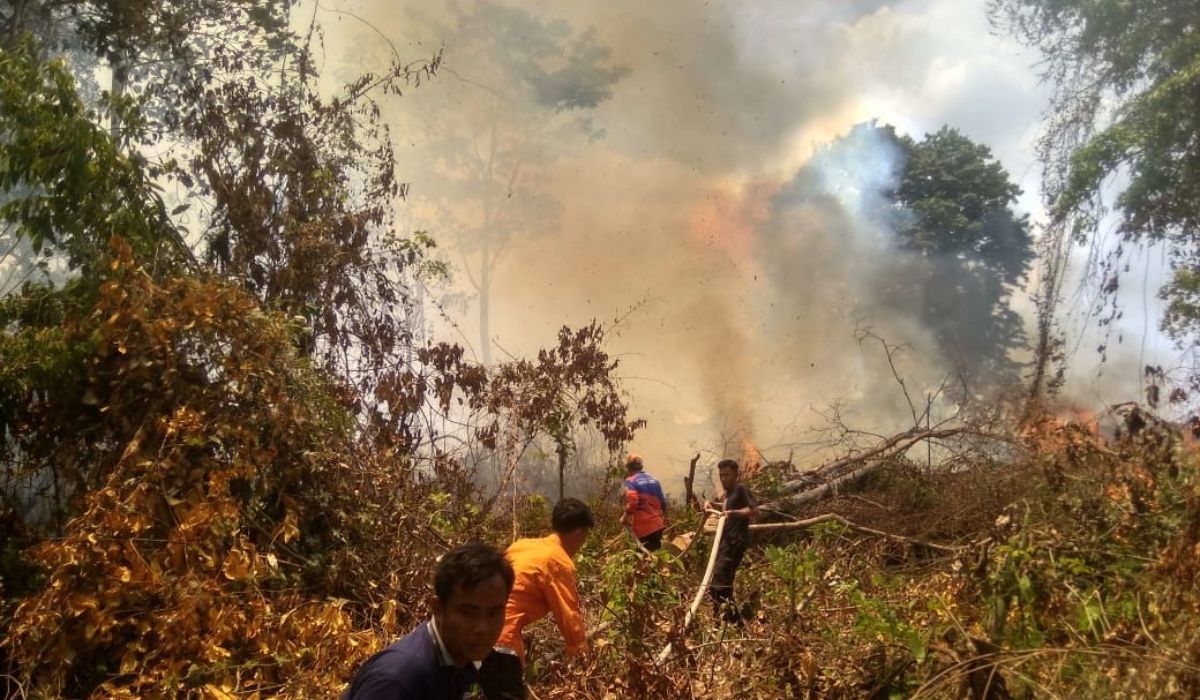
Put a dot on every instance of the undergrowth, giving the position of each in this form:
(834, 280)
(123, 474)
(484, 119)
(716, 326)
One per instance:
(1075, 576)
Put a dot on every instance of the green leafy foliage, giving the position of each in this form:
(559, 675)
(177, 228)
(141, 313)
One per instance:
(1077, 571)
(68, 186)
(641, 597)
(948, 201)
(796, 568)
(200, 502)
(1126, 76)
(978, 249)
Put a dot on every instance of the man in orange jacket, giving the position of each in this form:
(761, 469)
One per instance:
(545, 579)
(645, 504)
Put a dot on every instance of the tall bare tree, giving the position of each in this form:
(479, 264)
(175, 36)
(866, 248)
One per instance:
(517, 94)
(1122, 135)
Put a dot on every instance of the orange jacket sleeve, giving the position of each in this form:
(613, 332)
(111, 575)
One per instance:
(631, 501)
(563, 599)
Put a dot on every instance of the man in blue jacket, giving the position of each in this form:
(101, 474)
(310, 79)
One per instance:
(645, 504)
(441, 658)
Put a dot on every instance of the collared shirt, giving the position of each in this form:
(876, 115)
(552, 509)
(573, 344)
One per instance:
(447, 660)
(645, 504)
(545, 583)
(416, 666)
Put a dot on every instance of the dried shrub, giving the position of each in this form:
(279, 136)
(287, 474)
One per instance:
(207, 555)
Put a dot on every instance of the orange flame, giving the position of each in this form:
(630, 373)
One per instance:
(751, 458)
(728, 218)
(1070, 425)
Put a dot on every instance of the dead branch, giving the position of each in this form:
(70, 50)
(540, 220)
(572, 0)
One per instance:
(895, 445)
(828, 479)
(864, 334)
(827, 517)
(828, 488)
(684, 542)
(514, 459)
(868, 501)
(689, 481)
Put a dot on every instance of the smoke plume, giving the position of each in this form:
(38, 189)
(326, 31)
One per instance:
(685, 193)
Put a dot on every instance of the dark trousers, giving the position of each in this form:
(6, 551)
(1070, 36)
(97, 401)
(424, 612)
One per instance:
(653, 541)
(721, 587)
(501, 678)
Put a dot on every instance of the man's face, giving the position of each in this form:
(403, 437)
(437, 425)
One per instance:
(729, 478)
(573, 541)
(471, 620)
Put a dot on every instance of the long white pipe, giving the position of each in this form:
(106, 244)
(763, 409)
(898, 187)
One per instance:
(708, 572)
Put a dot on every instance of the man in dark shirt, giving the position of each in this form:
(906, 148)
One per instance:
(739, 507)
(440, 659)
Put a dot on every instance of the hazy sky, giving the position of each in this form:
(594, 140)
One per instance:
(741, 304)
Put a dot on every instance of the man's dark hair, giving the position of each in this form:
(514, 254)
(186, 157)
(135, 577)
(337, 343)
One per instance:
(728, 464)
(571, 514)
(469, 565)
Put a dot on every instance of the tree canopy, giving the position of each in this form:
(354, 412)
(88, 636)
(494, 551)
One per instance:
(979, 250)
(947, 202)
(1123, 129)
(211, 426)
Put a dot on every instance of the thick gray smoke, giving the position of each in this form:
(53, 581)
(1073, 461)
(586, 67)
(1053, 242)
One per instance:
(667, 175)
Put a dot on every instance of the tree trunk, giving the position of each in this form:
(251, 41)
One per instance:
(689, 485)
(562, 469)
(895, 445)
(826, 480)
(120, 76)
(1053, 258)
(485, 303)
(486, 260)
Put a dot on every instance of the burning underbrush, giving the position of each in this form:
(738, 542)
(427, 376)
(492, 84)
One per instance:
(1070, 571)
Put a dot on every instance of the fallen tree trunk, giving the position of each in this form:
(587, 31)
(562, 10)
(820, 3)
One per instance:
(828, 479)
(827, 488)
(895, 445)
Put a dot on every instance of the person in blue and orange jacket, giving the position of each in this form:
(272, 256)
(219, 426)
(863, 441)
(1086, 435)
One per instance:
(545, 580)
(645, 504)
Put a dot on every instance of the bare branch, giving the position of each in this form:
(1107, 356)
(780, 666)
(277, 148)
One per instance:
(834, 517)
